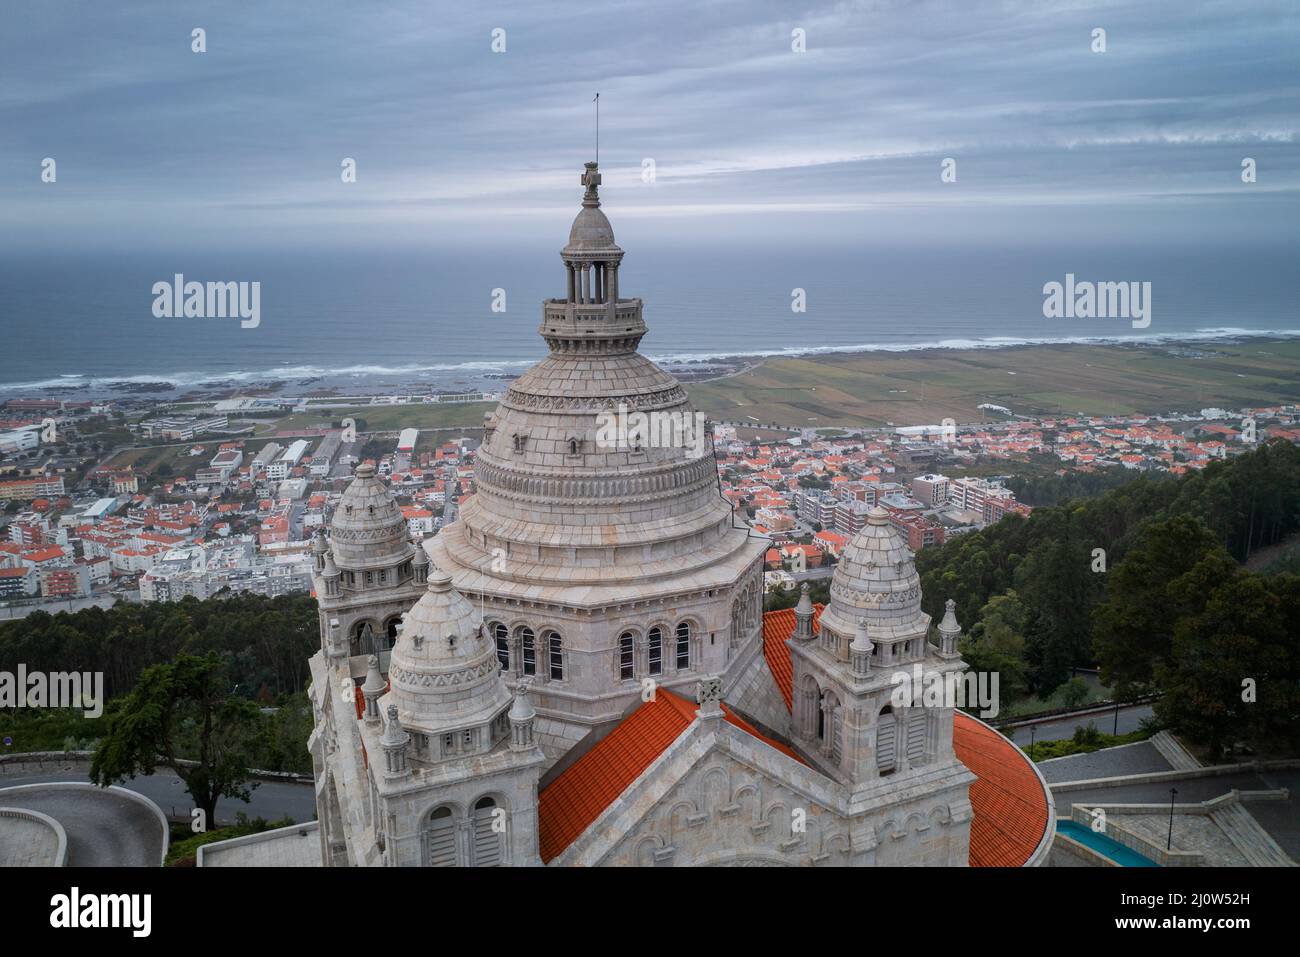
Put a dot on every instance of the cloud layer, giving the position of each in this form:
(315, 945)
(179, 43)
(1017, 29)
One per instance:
(244, 142)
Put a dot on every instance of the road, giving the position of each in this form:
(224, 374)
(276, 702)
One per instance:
(1058, 728)
(56, 606)
(105, 828)
(272, 800)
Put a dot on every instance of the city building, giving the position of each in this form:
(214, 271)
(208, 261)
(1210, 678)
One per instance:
(930, 490)
(21, 582)
(24, 490)
(279, 470)
(182, 428)
(68, 580)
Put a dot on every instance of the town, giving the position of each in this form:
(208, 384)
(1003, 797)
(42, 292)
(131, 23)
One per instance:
(128, 499)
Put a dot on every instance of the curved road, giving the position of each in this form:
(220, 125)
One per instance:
(272, 800)
(105, 828)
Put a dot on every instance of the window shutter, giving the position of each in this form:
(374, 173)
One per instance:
(916, 722)
(442, 842)
(487, 842)
(885, 743)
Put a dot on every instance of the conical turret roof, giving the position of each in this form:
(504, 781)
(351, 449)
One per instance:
(368, 530)
(444, 670)
(876, 579)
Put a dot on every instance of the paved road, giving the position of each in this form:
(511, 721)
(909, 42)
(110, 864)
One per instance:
(272, 800)
(54, 607)
(1058, 728)
(105, 828)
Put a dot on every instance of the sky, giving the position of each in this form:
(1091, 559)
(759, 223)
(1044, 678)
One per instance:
(750, 139)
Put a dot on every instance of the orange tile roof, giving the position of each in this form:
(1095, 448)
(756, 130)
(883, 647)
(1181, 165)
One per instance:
(1006, 796)
(777, 627)
(1007, 799)
(570, 803)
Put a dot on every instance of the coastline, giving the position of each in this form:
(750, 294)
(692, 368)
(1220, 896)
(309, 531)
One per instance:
(307, 381)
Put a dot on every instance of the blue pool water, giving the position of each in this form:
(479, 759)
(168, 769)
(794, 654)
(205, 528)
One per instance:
(1103, 845)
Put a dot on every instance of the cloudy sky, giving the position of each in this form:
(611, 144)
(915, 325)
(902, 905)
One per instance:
(453, 141)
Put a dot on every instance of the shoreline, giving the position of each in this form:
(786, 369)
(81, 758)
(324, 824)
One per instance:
(487, 377)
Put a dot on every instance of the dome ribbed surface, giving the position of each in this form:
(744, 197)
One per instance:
(444, 669)
(876, 579)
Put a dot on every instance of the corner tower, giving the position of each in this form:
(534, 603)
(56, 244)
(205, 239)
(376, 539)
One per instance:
(600, 563)
(858, 708)
(367, 573)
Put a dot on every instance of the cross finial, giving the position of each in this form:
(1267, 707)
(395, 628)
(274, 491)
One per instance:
(591, 179)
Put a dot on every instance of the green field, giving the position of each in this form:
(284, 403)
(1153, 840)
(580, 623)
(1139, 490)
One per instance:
(146, 459)
(918, 388)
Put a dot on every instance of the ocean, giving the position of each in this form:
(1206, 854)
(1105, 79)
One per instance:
(383, 318)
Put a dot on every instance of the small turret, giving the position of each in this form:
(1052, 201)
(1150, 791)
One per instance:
(803, 615)
(372, 689)
(330, 574)
(394, 742)
(421, 564)
(319, 548)
(522, 714)
(949, 631)
(860, 650)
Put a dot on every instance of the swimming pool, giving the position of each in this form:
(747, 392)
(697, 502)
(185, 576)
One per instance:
(1103, 845)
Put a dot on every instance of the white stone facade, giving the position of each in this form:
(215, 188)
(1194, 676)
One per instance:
(453, 682)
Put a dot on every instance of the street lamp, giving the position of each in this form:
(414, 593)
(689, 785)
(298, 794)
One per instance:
(1169, 842)
(1032, 729)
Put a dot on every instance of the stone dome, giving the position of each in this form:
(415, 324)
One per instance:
(591, 230)
(560, 502)
(444, 670)
(368, 529)
(591, 235)
(876, 579)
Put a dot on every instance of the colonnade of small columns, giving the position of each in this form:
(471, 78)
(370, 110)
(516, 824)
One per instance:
(592, 282)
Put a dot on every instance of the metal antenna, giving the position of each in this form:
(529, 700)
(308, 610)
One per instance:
(597, 102)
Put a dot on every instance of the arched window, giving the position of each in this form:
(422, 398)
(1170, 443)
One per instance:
(886, 736)
(555, 649)
(626, 656)
(390, 629)
(486, 846)
(501, 634)
(917, 722)
(440, 839)
(529, 649)
(683, 646)
(655, 651)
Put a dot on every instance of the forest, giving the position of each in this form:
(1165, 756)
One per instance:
(1148, 582)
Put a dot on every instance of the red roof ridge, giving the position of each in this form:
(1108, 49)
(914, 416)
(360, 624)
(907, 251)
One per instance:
(583, 791)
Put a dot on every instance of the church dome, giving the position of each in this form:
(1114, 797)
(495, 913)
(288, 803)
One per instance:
(368, 530)
(566, 489)
(876, 579)
(591, 235)
(590, 230)
(444, 670)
